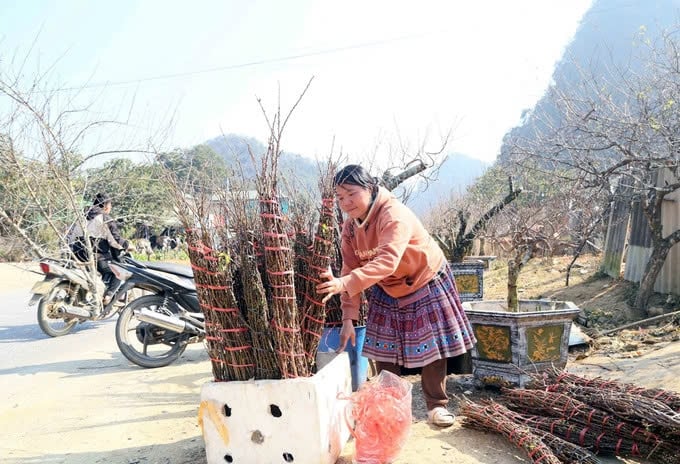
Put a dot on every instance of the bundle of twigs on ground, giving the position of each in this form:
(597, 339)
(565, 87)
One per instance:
(654, 409)
(585, 425)
(669, 398)
(606, 420)
(539, 446)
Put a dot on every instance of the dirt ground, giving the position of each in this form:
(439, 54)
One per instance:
(649, 357)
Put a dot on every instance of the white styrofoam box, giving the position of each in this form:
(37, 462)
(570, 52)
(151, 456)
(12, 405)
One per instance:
(278, 421)
(324, 357)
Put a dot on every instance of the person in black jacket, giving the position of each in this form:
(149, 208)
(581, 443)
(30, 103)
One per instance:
(107, 242)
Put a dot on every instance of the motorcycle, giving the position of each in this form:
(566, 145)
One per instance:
(155, 329)
(71, 294)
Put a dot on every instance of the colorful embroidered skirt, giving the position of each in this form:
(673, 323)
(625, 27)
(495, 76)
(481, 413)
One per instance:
(420, 328)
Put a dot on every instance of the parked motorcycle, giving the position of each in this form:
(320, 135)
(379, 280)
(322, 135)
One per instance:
(152, 330)
(155, 329)
(70, 294)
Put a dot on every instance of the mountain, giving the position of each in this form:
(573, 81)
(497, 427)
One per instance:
(456, 173)
(297, 169)
(607, 43)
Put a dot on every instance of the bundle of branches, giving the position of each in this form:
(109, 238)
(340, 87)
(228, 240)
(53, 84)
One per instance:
(313, 310)
(540, 402)
(257, 312)
(333, 309)
(491, 417)
(670, 398)
(302, 246)
(251, 291)
(594, 438)
(279, 268)
(565, 451)
(634, 408)
(227, 334)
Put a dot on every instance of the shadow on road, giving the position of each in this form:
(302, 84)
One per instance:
(90, 367)
(32, 332)
(21, 333)
(74, 368)
(187, 451)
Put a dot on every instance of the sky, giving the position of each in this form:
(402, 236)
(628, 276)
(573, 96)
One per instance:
(385, 74)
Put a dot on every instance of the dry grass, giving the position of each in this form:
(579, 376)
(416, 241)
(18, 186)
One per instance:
(602, 299)
(541, 277)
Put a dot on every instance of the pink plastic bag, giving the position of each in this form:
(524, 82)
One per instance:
(381, 410)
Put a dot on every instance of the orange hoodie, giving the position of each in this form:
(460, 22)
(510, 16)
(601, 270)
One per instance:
(390, 248)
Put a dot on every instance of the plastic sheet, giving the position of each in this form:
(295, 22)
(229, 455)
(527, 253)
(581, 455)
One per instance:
(381, 410)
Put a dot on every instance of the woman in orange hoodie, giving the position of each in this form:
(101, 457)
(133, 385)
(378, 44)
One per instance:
(415, 318)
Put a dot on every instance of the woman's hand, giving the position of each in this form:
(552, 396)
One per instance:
(346, 333)
(331, 287)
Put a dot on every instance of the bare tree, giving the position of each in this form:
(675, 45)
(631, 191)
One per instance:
(414, 170)
(43, 156)
(621, 128)
(534, 225)
(454, 233)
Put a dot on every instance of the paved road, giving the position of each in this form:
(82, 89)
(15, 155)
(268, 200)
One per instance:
(75, 399)
(24, 344)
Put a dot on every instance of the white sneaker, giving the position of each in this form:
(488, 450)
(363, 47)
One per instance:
(440, 416)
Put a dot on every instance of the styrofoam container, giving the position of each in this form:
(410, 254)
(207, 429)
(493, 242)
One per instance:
(298, 420)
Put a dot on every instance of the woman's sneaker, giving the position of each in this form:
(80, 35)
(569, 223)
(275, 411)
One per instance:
(440, 416)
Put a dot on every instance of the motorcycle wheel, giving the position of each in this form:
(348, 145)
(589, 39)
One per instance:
(49, 320)
(145, 344)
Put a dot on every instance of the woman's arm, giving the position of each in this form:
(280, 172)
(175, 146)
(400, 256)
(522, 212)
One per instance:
(112, 227)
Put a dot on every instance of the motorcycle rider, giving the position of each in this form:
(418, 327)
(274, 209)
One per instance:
(106, 240)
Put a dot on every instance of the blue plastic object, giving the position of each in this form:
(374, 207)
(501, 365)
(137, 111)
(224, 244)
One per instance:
(330, 341)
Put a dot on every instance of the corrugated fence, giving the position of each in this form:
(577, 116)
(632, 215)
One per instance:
(635, 244)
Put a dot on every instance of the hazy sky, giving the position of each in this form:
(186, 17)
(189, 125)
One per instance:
(380, 67)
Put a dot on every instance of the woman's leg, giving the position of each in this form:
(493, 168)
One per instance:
(389, 367)
(433, 380)
(113, 282)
